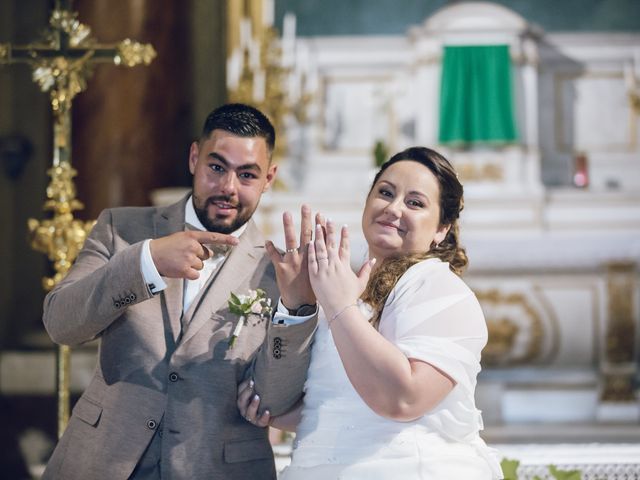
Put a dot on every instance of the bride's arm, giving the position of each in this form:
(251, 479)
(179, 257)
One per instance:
(392, 385)
(288, 421)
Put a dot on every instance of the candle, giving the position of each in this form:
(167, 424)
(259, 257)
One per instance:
(259, 86)
(234, 67)
(254, 54)
(288, 39)
(245, 33)
(268, 12)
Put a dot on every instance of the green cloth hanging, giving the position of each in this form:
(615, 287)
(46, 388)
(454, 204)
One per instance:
(476, 101)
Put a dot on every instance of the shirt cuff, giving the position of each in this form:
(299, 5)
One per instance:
(152, 278)
(282, 316)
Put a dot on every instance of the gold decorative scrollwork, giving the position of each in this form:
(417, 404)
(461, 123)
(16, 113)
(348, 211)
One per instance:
(62, 236)
(472, 172)
(620, 348)
(503, 331)
(618, 388)
(67, 21)
(620, 339)
(63, 77)
(132, 53)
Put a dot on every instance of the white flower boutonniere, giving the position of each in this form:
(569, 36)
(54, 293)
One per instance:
(256, 303)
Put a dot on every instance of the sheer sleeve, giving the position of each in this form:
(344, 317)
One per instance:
(431, 315)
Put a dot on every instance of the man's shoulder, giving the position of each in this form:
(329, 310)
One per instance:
(121, 212)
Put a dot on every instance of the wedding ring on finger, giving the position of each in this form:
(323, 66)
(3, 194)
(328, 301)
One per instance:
(291, 250)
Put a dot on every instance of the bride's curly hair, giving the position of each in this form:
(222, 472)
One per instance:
(387, 274)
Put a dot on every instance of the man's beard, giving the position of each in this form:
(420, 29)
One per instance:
(217, 226)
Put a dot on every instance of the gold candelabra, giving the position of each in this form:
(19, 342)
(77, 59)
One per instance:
(262, 71)
(61, 64)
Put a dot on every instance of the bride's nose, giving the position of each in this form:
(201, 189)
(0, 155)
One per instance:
(393, 208)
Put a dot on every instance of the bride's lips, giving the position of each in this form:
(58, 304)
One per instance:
(390, 226)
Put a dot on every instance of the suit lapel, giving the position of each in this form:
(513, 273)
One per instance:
(170, 220)
(241, 263)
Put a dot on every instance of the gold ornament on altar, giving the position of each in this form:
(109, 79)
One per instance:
(270, 72)
(61, 64)
(519, 332)
(633, 84)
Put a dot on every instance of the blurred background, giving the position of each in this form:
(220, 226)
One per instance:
(535, 102)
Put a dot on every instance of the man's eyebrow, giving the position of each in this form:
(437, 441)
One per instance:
(248, 166)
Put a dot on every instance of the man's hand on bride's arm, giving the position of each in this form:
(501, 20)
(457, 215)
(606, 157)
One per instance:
(249, 406)
(291, 265)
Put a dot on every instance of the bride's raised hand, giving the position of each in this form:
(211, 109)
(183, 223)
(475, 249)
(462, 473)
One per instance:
(334, 283)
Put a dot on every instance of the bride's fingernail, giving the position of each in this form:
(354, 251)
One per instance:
(251, 384)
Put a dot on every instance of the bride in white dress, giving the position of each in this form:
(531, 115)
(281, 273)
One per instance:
(390, 388)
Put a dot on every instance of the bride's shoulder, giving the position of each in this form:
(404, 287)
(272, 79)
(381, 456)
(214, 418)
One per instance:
(427, 274)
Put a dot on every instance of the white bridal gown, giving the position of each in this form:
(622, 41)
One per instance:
(431, 315)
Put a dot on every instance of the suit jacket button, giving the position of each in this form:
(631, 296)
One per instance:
(132, 297)
(116, 304)
(173, 376)
(151, 424)
(277, 355)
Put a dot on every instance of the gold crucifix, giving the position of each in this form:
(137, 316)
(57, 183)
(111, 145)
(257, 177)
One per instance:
(62, 61)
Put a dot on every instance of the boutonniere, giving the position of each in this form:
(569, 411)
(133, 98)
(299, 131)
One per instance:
(256, 303)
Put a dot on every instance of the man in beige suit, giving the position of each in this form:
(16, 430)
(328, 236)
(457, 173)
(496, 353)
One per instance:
(153, 284)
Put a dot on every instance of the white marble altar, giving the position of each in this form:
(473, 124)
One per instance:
(555, 266)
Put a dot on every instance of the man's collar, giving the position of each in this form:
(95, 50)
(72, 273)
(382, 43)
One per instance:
(192, 219)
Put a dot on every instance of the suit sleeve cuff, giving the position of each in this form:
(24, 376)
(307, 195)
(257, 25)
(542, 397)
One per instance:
(152, 278)
(282, 316)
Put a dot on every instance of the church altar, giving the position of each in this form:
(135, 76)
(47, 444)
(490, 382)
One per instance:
(551, 221)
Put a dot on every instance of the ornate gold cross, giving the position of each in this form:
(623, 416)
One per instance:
(62, 61)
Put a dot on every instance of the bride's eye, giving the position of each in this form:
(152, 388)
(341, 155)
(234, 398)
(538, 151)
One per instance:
(385, 192)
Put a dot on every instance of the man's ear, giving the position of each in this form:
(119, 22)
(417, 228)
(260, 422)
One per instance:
(194, 152)
(271, 176)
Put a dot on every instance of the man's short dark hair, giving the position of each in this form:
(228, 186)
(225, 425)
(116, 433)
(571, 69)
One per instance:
(241, 120)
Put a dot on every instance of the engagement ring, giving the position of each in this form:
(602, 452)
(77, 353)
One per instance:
(291, 250)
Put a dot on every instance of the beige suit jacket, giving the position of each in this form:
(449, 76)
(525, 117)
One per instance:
(150, 376)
